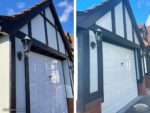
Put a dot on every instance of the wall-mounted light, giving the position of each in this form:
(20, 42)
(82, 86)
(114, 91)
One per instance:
(27, 46)
(98, 36)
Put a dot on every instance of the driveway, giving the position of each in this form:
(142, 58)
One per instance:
(145, 101)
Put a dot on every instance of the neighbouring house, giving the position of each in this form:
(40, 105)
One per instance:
(146, 56)
(70, 40)
(34, 62)
(110, 68)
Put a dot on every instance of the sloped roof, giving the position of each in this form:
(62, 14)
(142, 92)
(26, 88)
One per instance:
(88, 17)
(23, 13)
(17, 21)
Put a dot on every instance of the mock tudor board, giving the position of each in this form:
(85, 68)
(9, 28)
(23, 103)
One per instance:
(42, 82)
(111, 70)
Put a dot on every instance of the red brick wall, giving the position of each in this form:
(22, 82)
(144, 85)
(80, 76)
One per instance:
(142, 88)
(70, 105)
(93, 107)
(148, 82)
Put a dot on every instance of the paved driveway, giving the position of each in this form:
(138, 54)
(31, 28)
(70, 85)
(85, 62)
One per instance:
(144, 100)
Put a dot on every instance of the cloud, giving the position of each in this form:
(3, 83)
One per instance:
(68, 9)
(10, 11)
(63, 3)
(20, 5)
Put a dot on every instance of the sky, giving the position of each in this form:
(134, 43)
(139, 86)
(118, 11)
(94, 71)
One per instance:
(141, 8)
(64, 9)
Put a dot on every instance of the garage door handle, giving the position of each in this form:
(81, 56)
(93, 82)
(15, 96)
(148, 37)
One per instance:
(122, 63)
(50, 77)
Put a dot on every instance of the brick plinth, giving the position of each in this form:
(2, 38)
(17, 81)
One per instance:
(93, 107)
(147, 81)
(70, 105)
(142, 88)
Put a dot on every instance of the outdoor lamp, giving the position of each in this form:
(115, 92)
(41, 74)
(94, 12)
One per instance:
(98, 35)
(26, 41)
(26, 44)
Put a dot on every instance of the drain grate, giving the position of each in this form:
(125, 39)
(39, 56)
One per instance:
(140, 107)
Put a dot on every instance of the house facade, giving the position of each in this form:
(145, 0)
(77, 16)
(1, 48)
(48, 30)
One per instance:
(145, 34)
(40, 81)
(110, 66)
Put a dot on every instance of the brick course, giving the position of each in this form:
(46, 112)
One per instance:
(93, 107)
(142, 88)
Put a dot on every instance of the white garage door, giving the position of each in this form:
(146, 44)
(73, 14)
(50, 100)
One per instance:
(47, 95)
(120, 85)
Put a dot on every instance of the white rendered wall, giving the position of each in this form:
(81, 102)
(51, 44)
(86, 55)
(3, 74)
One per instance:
(4, 73)
(49, 15)
(128, 26)
(67, 79)
(61, 43)
(119, 20)
(38, 30)
(105, 21)
(20, 80)
(24, 29)
(93, 64)
(137, 65)
(52, 41)
(145, 65)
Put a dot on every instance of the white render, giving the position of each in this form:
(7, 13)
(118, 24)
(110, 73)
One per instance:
(145, 65)
(61, 43)
(128, 26)
(20, 79)
(49, 15)
(136, 39)
(147, 23)
(93, 64)
(137, 64)
(119, 77)
(105, 21)
(4, 73)
(119, 20)
(47, 93)
(142, 64)
(52, 41)
(24, 29)
(38, 31)
(67, 79)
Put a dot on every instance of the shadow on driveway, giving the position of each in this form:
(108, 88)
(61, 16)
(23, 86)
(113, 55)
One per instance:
(144, 100)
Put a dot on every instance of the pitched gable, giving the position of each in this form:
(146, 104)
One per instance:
(105, 21)
(115, 16)
(41, 22)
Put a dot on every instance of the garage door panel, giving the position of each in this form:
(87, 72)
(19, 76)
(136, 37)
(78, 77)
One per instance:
(120, 85)
(34, 94)
(50, 92)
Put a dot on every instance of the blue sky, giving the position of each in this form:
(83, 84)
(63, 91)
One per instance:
(63, 7)
(141, 8)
